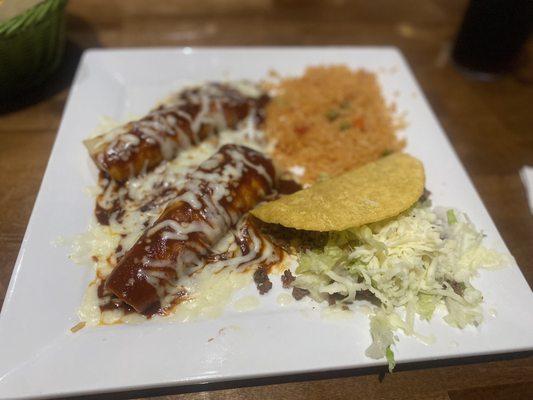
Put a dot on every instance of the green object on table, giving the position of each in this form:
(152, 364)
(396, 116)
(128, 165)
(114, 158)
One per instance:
(31, 47)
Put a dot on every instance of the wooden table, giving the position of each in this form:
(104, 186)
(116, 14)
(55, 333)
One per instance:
(489, 124)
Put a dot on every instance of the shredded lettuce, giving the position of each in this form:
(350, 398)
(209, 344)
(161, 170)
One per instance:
(426, 305)
(451, 217)
(382, 334)
(411, 264)
(389, 355)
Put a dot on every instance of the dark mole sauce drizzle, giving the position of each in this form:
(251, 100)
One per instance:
(160, 195)
(121, 161)
(103, 214)
(110, 301)
(243, 238)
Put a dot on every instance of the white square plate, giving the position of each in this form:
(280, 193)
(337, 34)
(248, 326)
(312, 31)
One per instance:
(39, 356)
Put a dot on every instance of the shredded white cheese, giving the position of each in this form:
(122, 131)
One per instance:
(207, 294)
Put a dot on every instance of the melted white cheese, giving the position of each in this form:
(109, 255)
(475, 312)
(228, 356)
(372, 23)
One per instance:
(210, 289)
(247, 303)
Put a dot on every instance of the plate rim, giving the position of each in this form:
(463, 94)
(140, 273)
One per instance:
(221, 49)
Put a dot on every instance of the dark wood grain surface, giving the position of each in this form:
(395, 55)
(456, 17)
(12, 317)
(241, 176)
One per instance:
(490, 125)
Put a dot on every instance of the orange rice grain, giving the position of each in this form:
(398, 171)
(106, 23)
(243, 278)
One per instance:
(330, 120)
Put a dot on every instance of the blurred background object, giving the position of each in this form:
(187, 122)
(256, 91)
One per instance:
(32, 40)
(491, 36)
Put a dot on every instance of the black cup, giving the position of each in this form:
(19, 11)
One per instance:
(491, 35)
